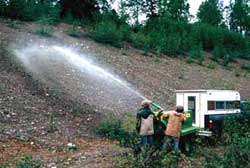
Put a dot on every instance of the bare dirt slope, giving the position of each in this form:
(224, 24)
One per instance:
(26, 108)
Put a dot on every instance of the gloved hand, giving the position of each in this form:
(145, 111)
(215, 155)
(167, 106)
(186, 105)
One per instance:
(160, 112)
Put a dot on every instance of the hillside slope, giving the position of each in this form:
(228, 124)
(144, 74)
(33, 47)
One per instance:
(26, 106)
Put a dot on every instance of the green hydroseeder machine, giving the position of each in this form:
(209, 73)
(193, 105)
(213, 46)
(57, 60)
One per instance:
(187, 131)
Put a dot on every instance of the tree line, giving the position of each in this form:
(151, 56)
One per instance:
(223, 31)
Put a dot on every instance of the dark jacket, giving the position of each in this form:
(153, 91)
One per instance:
(142, 113)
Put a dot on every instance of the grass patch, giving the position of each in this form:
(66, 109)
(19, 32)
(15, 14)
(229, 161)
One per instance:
(211, 65)
(45, 31)
(73, 32)
(237, 74)
(27, 162)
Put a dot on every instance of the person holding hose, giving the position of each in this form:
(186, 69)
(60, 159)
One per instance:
(145, 123)
(173, 130)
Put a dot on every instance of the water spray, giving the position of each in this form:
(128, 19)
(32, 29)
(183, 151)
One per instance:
(79, 76)
(82, 62)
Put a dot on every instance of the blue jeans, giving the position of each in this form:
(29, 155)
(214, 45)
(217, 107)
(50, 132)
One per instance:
(171, 141)
(147, 139)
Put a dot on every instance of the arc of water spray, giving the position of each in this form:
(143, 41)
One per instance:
(79, 61)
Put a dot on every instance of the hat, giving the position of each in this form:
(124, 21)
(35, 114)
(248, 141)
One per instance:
(145, 103)
(179, 109)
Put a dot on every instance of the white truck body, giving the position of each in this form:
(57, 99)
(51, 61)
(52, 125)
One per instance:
(205, 103)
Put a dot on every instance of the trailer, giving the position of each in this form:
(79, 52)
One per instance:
(209, 107)
(204, 112)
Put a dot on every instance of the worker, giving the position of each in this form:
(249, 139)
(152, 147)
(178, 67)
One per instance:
(173, 130)
(144, 124)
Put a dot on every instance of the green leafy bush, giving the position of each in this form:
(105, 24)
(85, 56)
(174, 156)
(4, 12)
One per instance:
(27, 162)
(31, 10)
(44, 28)
(114, 128)
(218, 52)
(236, 136)
(139, 40)
(150, 157)
(197, 53)
(45, 31)
(236, 126)
(107, 32)
(211, 65)
(237, 154)
(246, 67)
(74, 29)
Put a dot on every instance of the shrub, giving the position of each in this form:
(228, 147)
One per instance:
(114, 128)
(196, 53)
(245, 67)
(211, 65)
(237, 125)
(74, 29)
(111, 128)
(190, 60)
(44, 28)
(27, 162)
(226, 60)
(107, 31)
(218, 52)
(45, 31)
(31, 10)
(237, 154)
(2, 7)
(150, 157)
(139, 40)
(237, 74)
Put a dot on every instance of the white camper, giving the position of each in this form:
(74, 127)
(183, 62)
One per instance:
(208, 105)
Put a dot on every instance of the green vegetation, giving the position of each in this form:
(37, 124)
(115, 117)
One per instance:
(166, 31)
(236, 138)
(210, 12)
(246, 67)
(29, 10)
(27, 162)
(117, 129)
(44, 28)
(196, 53)
(45, 31)
(235, 145)
(211, 65)
(74, 30)
(52, 123)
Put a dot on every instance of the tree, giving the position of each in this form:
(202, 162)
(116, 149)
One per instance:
(196, 53)
(151, 8)
(209, 12)
(175, 9)
(239, 18)
(79, 8)
(2, 7)
(134, 7)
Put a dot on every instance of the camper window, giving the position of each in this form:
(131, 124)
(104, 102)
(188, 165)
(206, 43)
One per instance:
(230, 105)
(220, 105)
(210, 105)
